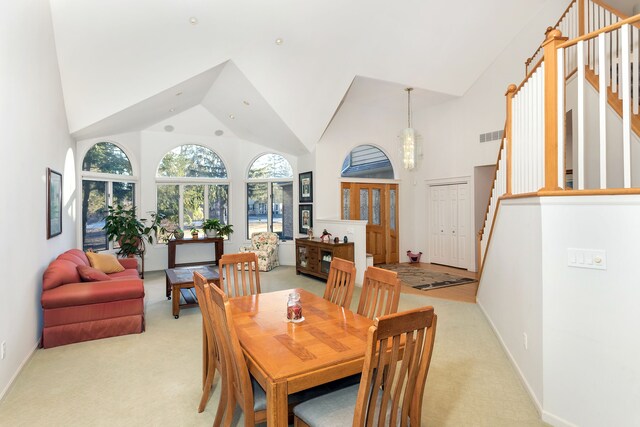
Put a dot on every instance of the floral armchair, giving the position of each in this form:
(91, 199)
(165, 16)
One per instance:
(265, 246)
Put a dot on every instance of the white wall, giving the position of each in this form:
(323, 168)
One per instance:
(510, 291)
(35, 136)
(581, 362)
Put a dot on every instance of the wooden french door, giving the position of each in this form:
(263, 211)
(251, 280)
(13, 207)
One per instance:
(378, 205)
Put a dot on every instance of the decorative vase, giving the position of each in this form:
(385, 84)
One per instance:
(178, 234)
(294, 308)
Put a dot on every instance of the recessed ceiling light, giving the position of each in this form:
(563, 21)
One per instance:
(169, 128)
(279, 41)
(246, 102)
(193, 20)
(171, 110)
(231, 116)
(219, 132)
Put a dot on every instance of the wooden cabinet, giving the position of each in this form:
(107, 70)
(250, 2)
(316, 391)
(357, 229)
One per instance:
(314, 257)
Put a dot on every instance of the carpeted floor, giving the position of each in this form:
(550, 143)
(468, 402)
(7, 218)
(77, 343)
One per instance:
(425, 279)
(154, 378)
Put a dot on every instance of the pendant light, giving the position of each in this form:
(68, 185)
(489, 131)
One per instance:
(408, 138)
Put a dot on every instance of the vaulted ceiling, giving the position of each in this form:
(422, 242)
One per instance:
(132, 65)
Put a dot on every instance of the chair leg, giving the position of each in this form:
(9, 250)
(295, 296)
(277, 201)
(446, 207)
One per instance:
(206, 389)
(297, 422)
(222, 405)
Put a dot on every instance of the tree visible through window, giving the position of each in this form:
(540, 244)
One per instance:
(101, 187)
(270, 196)
(186, 204)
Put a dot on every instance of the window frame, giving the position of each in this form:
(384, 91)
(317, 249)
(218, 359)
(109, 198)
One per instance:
(109, 178)
(181, 182)
(269, 182)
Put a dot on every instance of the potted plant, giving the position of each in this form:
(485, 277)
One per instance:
(225, 230)
(123, 226)
(215, 228)
(194, 233)
(211, 227)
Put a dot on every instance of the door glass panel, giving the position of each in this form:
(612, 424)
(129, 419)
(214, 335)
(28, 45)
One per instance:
(346, 203)
(392, 209)
(375, 205)
(193, 206)
(219, 202)
(168, 197)
(364, 204)
(94, 210)
(257, 207)
(282, 209)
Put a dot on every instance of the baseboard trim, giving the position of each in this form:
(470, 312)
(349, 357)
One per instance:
(15, 375)
(556, 421)
(524, 381)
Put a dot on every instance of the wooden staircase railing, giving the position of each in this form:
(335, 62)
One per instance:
(531, 160)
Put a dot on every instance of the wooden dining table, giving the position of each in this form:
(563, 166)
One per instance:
(287, 357)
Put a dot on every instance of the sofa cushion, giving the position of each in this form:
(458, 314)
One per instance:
(73, 256)
(129, 273)
(74, 294)
(90, 274)
(59, 272)
(107, 263)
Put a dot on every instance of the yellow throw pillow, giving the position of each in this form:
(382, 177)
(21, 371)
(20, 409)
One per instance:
(107, 263)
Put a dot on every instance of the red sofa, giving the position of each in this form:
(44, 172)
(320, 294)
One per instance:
(75, 311)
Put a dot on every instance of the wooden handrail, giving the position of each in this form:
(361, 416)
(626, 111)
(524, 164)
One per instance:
(610, 9)
(528, 61)
(595, 34)
(528, 76)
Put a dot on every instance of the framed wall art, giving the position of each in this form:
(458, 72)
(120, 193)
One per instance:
(305, 181)
(305, 218)
(54, 203)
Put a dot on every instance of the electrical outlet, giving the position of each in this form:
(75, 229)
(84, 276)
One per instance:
(525, 341)
(3, 350)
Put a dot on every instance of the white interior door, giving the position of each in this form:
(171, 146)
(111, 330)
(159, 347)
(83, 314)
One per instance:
(449, 230)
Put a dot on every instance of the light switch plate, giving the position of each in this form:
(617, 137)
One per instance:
(587, 258)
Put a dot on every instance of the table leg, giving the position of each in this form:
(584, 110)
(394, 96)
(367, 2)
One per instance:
(277, 408)
(175, 304)
(168, 288)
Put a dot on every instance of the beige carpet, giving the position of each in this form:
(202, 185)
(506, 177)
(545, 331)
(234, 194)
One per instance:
(154, 378)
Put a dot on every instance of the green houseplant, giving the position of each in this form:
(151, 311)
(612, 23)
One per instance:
(214, 228)
(123, 226)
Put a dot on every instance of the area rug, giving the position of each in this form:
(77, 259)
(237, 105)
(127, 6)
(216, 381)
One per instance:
(425, 279)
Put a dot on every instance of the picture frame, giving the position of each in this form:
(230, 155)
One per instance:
(54, 203)
(305, 218)
(305, 190)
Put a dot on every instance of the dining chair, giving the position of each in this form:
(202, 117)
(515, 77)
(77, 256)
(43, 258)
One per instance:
(392, 383)
(210, 351)
(342, 277)
(239, 275)
(380, 293)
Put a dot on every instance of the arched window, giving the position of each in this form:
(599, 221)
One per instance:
(270, 196)
(367, 161)
(192, 186)
(107, 180)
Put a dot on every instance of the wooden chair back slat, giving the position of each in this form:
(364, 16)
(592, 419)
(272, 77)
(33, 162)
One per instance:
(239, 275)
(397, 359)
(340, 283)
(380, 293)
